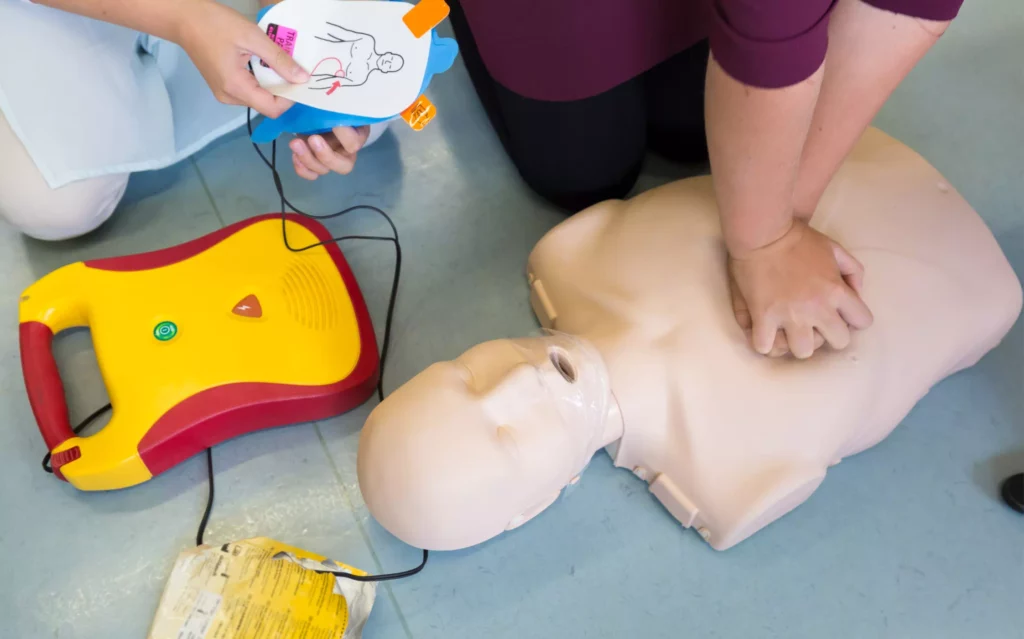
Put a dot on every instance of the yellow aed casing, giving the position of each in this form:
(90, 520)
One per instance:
(226, 334)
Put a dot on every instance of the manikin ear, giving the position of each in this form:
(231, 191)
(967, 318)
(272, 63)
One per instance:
(530, 513)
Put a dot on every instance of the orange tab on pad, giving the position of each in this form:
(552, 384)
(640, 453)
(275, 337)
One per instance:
(419, 113)
(426, 15)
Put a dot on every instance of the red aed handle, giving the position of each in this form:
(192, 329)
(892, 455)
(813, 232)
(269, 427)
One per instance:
(43, 383)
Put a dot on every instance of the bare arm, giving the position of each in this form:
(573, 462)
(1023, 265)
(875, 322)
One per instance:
(793, 288)
(792, 285)
(218, 40)
(788, 286)
(870, 52)
(755, 139)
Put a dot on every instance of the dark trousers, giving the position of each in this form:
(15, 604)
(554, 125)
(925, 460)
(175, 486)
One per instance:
(581, 152)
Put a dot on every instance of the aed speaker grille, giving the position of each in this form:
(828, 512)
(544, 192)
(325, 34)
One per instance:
(312, 295)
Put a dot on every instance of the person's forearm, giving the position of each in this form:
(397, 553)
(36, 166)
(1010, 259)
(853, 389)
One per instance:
(160, 18)
(755, 139)
(870, 52)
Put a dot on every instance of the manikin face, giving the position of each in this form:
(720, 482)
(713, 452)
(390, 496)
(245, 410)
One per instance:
(390, 62)
(473, 447)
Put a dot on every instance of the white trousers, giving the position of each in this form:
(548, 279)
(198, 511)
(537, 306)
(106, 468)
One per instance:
(31, 206)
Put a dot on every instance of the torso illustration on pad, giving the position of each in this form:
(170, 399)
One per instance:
(646, 360)
(362, 58)
(355, 59)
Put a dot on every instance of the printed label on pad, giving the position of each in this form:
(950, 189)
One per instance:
(419, 113)
(283, 37)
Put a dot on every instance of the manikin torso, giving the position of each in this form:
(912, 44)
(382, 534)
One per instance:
(728, 440)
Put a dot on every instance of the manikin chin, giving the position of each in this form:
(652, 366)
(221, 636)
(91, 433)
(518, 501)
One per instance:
(644, 359)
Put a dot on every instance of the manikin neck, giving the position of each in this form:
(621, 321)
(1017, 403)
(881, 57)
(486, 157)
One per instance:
(614, 427)
(594, 400)
(590, 401)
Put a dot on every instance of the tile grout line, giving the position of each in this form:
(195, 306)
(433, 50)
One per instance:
(362, 530)
(206, 189)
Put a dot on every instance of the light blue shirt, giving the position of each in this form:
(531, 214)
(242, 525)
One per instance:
(88, 98)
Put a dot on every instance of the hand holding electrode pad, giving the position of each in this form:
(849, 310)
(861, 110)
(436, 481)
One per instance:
(369, 61)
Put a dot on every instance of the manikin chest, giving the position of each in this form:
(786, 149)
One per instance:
(730, 441)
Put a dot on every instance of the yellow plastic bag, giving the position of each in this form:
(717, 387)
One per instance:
(261, 589)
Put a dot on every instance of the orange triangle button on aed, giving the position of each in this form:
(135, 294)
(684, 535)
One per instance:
(248, 307)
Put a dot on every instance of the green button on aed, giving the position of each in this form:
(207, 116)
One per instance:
(165, 331)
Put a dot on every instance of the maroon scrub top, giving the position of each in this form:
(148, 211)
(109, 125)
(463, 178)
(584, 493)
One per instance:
(562, 50)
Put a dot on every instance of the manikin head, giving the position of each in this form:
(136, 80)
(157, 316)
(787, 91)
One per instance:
(472, 447)
(390, 62)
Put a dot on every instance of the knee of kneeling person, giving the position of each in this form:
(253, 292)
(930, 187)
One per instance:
(64, 213)
(575, 177)
(573, 196)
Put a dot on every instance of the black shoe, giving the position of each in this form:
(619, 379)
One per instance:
(1013, 492)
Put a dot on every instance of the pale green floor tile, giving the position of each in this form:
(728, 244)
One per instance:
(907, 540)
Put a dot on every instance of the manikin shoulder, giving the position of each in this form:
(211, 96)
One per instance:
(659, 257)
(743, 438)
(647, 279)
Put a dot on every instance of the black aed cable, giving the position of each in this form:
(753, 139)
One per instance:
(393, 298)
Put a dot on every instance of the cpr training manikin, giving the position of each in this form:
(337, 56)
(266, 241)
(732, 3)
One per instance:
(645, 359)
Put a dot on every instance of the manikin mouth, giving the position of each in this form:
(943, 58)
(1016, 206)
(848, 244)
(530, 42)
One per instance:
(563, 363)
